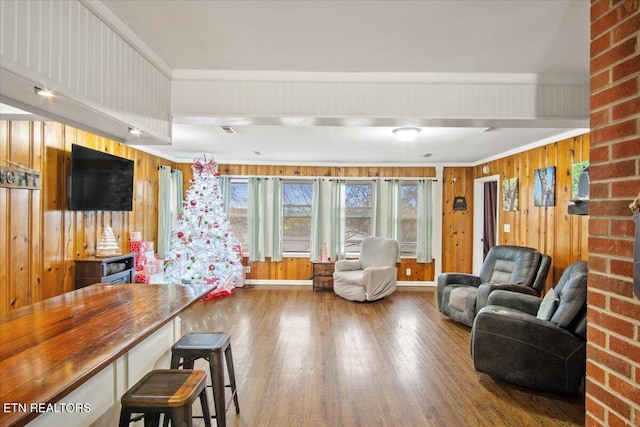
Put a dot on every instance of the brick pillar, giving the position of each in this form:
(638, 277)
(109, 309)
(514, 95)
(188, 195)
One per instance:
(613, 334)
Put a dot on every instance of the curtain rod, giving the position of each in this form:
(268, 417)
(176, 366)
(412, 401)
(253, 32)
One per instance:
(352, 178)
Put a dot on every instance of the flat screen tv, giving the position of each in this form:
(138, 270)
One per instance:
(99, 181)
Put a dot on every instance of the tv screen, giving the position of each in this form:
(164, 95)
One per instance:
(99, 181)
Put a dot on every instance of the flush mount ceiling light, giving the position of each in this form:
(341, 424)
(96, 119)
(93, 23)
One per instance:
(43, 92)
(406, 134)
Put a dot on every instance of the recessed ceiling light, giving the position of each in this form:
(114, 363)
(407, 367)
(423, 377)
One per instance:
(134, 131)
(406, 134)
(43, 92)
(427, 155)
(228, 129)
(257, 153)
(488, 129)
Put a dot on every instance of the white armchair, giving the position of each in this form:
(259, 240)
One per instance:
(371, 277)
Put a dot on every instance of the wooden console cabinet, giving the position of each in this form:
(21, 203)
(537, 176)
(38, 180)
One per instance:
(115, 269)
(323, 276)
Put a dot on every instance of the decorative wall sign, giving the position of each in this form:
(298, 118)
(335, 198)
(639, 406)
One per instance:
(459, 203)
(510, 194)
(544, 189)
(19, 178)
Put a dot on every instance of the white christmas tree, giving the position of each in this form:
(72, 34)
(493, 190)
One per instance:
(202, 247)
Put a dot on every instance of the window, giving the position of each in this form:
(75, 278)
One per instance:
(297, 198)
(238, 211)
(409, 218)
(357, 214)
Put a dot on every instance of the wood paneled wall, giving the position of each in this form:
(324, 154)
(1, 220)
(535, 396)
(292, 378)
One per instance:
(457, 226)
(39, 237)
(294, 268)
(551, 230)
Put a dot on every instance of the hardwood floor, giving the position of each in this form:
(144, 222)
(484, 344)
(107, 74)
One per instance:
(305, 358)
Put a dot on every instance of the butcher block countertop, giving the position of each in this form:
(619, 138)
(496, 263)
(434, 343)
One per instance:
(50, 348)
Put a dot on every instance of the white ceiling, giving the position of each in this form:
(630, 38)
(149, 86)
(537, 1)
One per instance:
(396, 39)
(451, 36)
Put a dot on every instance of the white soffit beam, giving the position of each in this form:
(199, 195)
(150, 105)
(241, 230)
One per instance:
(560, 100)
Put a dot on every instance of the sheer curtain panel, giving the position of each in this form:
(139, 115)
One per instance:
(276, 223)
(337, 249)
(317, 221)
(164, 210)
(425, 221)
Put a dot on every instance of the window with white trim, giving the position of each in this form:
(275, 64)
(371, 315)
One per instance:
(297, 200)
(238, 212)
(358, 214)
(409, 218)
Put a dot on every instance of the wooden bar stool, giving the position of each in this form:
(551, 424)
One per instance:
(209, 346)
(166, 391)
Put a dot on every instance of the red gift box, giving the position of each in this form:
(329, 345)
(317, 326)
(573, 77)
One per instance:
(142, 277)
(137, 246)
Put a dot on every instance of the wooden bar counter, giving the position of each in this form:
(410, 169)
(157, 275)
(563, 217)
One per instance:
(67, 360)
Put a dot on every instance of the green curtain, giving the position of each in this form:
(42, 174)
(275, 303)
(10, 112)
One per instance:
(377, 206)
(276, 224)
(317, 223)
(177, 194)
(164, 210)
(425, 221)
(394, 211)
(257, 214)
(225, 185)
(337, 219)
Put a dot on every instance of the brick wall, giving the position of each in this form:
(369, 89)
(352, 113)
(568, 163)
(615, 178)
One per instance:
(613, 353)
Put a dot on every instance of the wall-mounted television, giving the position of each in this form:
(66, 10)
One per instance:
(99, 181)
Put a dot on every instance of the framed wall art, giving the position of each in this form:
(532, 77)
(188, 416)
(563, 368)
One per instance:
(544, 189)
(510, 194)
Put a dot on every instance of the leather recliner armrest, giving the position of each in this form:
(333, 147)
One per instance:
(446, 279)
(522, 302)
(485, 289)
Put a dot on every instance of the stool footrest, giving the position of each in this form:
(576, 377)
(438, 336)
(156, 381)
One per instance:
(215, 348)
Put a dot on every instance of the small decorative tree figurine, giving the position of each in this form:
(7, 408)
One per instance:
(202, 247)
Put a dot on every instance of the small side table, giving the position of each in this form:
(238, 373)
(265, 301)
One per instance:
(114, 269)
(323, 275)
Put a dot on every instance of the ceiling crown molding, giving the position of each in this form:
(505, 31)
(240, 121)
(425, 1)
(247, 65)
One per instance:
(308, 76)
